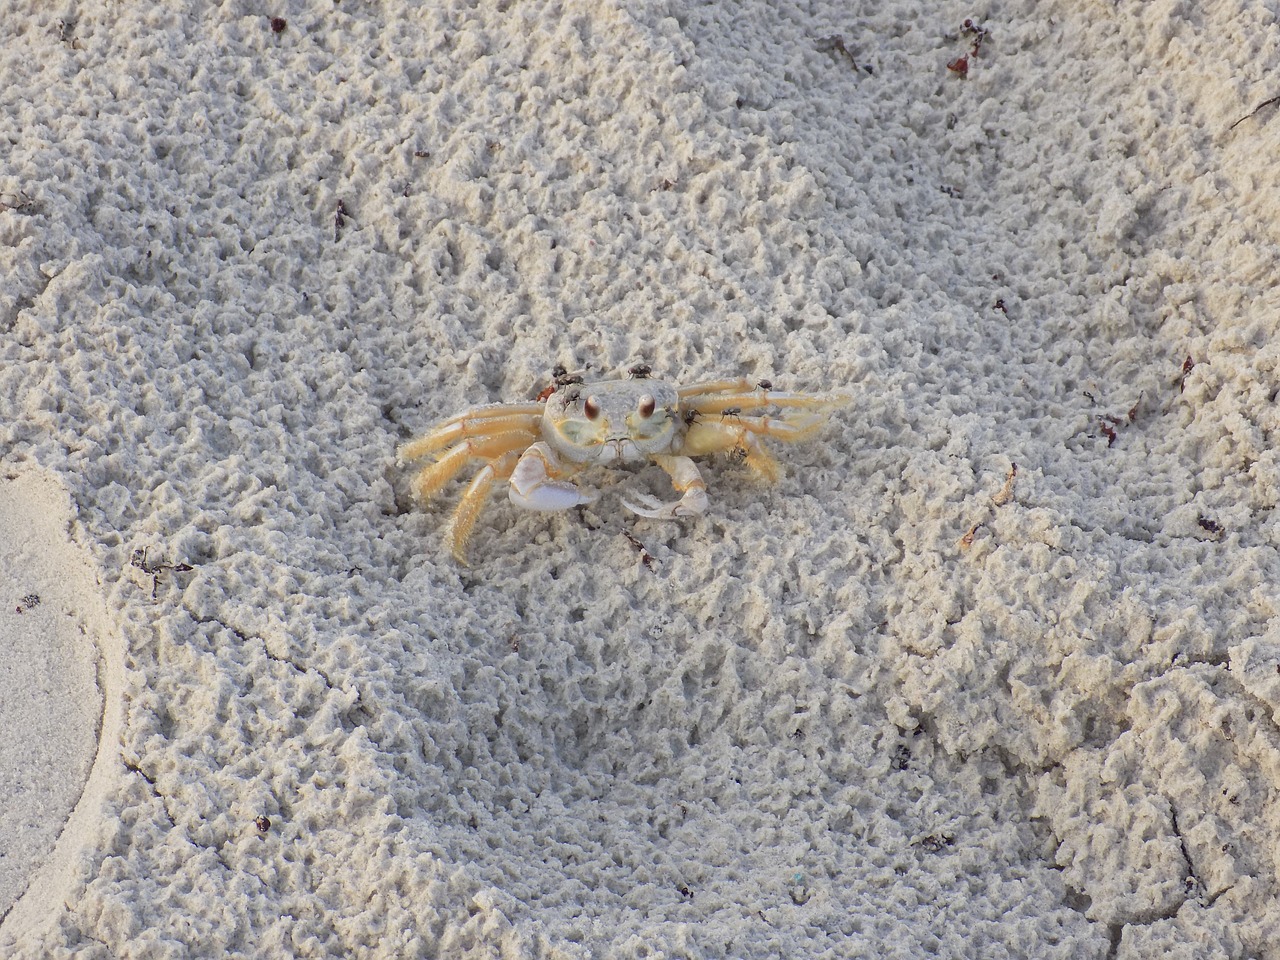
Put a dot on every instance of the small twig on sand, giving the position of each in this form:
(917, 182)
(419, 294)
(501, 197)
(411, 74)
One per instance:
(1264, 103)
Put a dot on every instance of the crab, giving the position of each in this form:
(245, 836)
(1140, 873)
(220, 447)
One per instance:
(540, 446)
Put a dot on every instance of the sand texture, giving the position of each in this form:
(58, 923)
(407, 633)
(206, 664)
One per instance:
(993, 671)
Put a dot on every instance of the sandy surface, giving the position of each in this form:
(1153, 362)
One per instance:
(910, 702)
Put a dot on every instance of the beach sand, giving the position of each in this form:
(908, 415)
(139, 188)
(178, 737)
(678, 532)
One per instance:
(993, 671)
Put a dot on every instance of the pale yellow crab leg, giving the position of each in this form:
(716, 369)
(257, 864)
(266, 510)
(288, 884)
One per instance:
(473, 500)
(538, 483)
(737, 385)
(742, 385)
(687, 481)
(757, 399)
(431, 479)
(776, 428)
(736, 438)
(484, 421)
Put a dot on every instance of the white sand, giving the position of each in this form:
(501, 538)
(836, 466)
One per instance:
(50, 702)
(829, 723)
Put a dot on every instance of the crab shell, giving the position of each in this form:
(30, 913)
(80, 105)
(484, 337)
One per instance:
(613, 420)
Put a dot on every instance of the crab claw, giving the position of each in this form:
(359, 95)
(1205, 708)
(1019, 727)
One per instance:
(686, 479)
(535, 485)
(692, 504)
(551, 495)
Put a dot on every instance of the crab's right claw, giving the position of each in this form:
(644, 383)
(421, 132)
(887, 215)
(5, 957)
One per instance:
(535, 483)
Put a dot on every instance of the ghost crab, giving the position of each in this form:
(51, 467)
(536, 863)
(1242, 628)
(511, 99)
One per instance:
(540, 445)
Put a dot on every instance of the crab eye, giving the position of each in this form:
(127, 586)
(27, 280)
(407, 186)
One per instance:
(647, 406)
(591, 408)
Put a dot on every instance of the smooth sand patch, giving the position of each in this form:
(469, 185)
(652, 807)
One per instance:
(53, 669)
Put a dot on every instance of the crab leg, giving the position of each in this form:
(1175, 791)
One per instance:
(740, 402)
(737, 385)
(739, 441)
(778, 428)
(537, 484)
(719, 396)
(485, 421)
(431, 479)
(686, 479)
(468, 509)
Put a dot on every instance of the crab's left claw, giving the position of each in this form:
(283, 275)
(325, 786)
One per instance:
(692, 504)
(685, 478)
(536, 484)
